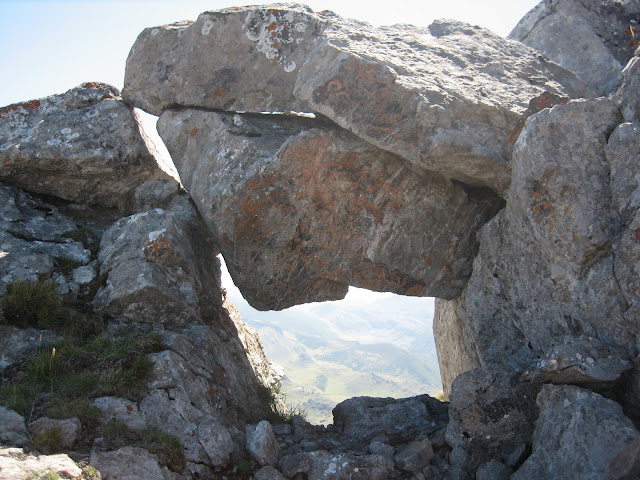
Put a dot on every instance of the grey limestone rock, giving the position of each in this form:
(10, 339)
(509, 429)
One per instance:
(302, 209)
(32, 235)
(262, 444)
(268, 473)
(585, 362)
(13, 429)
(589, 37)
(445, 98)
(490, 415)
(549, 261)
(580, 435)
(414, 456)
(121, 409)
(161, 267)
(131, 463)
(83, 146)
(16, 465)
(628, 95)
(364, 418)
(493, 470)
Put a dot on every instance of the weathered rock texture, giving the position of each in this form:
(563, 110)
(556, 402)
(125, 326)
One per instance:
(563, 251)
(83, 146)
(568, 443)
(301, 209)
(593, 38)
(445, 98)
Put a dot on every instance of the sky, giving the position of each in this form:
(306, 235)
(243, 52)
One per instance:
(48, 47)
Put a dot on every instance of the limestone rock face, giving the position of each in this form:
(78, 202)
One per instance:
(592, 38)
(161, 267)
(568, 443)
(302, 209)
(490, 416)
(33, 234)
(83, 146)
(552, 260)
(444, 98)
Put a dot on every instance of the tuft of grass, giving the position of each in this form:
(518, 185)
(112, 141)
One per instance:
(278, 411)
(439, 396)
(33, 304)
(66, 264)
(48, 441)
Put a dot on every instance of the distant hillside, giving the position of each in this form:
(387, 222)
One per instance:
(376, 344)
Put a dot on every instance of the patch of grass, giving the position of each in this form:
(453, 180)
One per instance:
(48, 441)
(46, 475)
(66, 264)
(168, 448)
(79, 408)
(33, 304)
(20, 398)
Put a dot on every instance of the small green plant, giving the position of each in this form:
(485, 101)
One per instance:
(439, 396)
(33, 304)
(48, 441)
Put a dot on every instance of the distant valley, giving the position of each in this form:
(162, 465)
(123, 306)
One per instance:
(375, 344)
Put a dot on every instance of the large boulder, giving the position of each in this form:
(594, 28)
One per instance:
(581, 435)
(558, 262)
(83, 145)
(301, 209)
(445, 98)
(593, 38)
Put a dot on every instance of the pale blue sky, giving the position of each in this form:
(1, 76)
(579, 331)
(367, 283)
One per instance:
(47, 47)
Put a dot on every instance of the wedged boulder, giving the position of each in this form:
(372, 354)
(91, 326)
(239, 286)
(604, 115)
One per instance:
(302, 209)
(593, 38)
(83, 146)
(548, 271)
(160, 267)
(445, 98)
(491, 415)
(580, 435)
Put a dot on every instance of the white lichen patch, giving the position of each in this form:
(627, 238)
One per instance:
(273, 31)
(206, 27)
